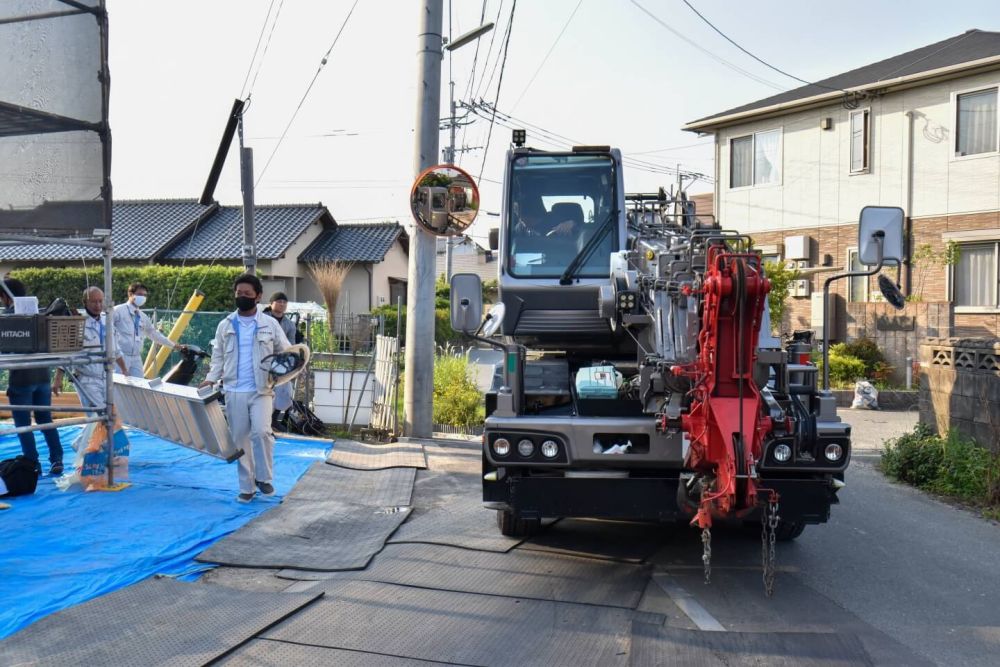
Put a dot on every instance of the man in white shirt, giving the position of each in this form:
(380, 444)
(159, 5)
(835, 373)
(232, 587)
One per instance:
(133, 327)
(90, 377)
(242, 341)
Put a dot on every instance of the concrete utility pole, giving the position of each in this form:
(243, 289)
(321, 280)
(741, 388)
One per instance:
(249, 238)
(419, 380)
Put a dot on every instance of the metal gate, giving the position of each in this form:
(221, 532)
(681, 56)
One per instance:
(386, 384)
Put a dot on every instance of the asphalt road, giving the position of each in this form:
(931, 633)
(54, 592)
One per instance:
(914, 580)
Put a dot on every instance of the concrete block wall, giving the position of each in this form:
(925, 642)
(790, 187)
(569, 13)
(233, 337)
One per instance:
(899, 333)
(960, 388)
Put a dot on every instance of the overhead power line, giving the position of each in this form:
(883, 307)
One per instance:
(760, 60)
(503, 65)
(719, 59)
(260, 37)
(489, 52)
(484, 110)
(263, 55)
(546, 58)
(319, 69)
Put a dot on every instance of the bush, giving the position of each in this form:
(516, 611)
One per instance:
(845, 370)
(914, 457)
(952, 466)
(864, 349)
(443, 333)
(215, 281)
(457, 400)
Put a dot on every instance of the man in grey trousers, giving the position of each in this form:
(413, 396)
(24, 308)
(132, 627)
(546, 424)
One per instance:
(242, 340)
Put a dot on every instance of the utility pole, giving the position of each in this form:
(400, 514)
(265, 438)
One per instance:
(419, 379)
(246, 185)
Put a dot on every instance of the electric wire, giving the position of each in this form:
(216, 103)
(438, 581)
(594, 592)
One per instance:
(562, 141)
(263, 55)
(760, 60)
(493, 72)
(472, 79)
(489, 52)
(547, 54)
(496, 100)
(305, 95)
(256, 48)
(719, 59)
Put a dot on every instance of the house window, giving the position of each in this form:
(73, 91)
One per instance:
(974, 276)
(976, 122)
(857, 285)
(755, 159)
(860, 133)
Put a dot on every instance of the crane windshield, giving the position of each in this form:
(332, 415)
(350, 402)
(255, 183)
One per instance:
(557, 203)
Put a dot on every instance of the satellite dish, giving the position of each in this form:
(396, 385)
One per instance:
(494, 318)
(891, 292)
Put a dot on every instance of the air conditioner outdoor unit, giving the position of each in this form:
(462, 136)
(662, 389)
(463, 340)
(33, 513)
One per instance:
(801, 287)
(791, 265)
(802, 264)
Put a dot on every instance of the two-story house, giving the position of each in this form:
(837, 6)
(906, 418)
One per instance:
(920, 131)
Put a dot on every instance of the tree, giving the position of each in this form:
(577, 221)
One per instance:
(926, 258)
(781, 279)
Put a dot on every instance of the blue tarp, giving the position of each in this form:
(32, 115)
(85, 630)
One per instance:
(61, 548)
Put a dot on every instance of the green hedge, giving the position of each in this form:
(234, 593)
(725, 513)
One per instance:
(215, 281)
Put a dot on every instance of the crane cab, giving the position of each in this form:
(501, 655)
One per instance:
(563, 214)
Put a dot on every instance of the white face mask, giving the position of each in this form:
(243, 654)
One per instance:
(139, 300)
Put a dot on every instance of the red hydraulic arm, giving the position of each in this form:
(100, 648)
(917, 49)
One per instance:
(726, 424)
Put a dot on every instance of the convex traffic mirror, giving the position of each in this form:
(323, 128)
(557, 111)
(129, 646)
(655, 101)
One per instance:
(444, 200)
(880, 225)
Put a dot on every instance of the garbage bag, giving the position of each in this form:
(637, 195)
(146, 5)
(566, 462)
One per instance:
(865, 396)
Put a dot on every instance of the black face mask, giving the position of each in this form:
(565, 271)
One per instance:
(245, 303)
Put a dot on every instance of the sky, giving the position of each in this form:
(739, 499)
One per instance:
(589, 71)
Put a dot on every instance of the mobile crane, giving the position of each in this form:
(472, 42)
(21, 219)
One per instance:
(640, 379)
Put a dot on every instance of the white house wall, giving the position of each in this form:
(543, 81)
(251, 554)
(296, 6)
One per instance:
(816, 187)
(394, 266)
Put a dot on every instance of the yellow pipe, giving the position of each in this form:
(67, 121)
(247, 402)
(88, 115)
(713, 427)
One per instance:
(175, 333)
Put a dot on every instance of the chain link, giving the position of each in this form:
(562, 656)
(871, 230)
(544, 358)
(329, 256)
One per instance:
(768, 528)
(706, 555)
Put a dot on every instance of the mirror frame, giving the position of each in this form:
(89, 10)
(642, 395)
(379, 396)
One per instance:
(451, 228)
(886, 219)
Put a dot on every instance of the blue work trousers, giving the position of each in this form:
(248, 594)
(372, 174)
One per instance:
(41, 395)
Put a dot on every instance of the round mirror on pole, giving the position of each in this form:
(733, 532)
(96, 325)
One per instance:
(444, 200)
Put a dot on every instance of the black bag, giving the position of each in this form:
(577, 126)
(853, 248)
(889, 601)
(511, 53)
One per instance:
(300, 419)
(20, 475)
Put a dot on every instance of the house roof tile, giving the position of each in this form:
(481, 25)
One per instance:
(221, 235)
(970, 46)
(353, 243)
(141, 230)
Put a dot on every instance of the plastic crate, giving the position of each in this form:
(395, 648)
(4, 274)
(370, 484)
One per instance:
(65, 333)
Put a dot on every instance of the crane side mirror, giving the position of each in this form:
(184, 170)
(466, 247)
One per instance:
(880, 225)
(466, 302)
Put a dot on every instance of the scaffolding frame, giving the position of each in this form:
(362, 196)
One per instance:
(22, 121)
